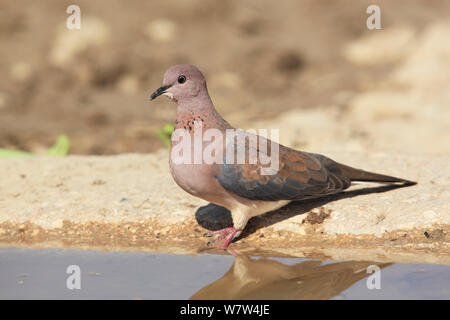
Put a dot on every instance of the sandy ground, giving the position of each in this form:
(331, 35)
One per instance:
(131, 202)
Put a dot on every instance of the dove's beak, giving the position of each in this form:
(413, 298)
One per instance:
(160, 91)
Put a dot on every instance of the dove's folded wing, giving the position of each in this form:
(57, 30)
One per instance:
(300, 176)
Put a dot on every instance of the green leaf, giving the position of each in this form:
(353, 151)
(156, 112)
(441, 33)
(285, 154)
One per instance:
(5, 153)
(165, 133)
(61, 147)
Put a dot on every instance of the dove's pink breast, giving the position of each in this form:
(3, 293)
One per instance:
(197, 179)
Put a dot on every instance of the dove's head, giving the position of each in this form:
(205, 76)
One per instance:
(182, 83)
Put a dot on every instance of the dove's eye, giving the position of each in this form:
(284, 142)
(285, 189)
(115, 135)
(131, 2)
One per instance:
(181, 79)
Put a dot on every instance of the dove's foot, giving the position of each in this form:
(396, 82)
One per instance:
(227, 235)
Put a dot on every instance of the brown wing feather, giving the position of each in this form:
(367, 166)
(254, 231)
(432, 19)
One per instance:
(300, 176)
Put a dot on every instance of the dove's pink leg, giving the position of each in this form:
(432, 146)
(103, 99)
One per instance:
(228, 234)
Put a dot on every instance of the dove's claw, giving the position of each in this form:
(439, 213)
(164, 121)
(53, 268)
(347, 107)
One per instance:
(227, 234)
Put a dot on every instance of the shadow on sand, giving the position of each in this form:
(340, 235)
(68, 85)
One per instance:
(214, 217)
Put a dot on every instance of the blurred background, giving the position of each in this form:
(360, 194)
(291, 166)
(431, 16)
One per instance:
(311, 68)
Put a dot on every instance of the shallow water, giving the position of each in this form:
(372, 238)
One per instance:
(42, 274)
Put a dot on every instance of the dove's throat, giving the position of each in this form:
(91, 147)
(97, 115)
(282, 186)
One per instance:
(201, 110)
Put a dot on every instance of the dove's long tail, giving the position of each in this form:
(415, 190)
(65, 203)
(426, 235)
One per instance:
(360, 175)
(355, 175)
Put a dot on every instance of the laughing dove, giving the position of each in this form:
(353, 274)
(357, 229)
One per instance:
(248, 188)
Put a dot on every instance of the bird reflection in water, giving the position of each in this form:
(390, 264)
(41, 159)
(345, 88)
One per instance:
(262, 278)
